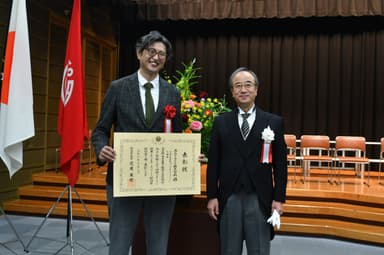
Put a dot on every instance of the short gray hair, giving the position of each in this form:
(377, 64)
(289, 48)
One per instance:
(243, 69)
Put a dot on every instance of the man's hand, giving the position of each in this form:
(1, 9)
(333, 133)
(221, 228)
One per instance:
(202, 158)
(107, 154)
(278, 206)
(213, 208)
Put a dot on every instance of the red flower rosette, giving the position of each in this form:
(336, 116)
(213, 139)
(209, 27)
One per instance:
(170, 113)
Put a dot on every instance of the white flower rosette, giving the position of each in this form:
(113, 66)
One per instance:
(266, 153)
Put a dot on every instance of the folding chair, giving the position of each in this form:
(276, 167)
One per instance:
(290, 141)
(381, 160)
(315, 148)
(352, 150)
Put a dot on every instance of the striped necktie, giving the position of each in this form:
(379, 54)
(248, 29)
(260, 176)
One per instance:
(245, 125)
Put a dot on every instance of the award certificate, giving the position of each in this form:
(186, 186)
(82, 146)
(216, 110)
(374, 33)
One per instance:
(156, 164)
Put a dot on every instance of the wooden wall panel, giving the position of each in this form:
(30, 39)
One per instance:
(48, 31)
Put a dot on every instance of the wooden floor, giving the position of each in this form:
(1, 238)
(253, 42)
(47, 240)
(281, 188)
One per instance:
(351, 210)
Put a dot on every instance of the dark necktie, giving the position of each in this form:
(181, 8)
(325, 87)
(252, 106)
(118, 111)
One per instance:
(245, 125)
(149, 106)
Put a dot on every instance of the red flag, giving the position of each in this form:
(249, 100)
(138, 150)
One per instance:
(72, 122)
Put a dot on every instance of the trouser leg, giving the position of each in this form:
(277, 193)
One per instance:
(231, 229)
(257, 232)
(158, 212)
(109, 190)
(125, 215)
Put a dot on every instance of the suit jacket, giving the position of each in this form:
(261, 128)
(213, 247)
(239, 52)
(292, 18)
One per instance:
(229, 155)
(122, 109)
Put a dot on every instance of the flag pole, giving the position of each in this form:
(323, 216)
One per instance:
(69, 234)
(17, 83)
(70, 240)
(3, 55)
(1, 83)
(72, 122)
(13, 229)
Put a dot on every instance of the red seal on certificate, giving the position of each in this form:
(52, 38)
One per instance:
(132, 183)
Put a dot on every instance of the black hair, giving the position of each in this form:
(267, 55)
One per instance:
(154, 36)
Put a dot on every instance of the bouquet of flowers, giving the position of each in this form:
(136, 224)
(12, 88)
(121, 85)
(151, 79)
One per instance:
(198, 112)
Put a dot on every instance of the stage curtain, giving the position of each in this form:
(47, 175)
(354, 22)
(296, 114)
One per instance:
(323, 75)
(244, 9)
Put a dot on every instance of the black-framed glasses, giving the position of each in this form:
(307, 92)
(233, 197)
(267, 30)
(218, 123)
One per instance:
(153, 52)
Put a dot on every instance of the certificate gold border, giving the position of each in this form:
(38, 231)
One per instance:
(156, 164)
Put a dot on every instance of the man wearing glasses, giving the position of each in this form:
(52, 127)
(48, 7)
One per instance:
(247, 170)
(136, 103)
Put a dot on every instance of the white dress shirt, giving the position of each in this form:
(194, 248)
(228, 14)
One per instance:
(154, 90)
(251, 118)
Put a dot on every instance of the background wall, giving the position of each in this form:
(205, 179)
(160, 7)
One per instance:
(320, 62)
(324, 75)
(48, 30)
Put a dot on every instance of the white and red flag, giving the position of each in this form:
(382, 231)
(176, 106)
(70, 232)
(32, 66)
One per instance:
(72, 121)
(16, 108)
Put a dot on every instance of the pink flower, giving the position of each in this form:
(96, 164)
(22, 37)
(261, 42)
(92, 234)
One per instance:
(190, 103)
(196, 126)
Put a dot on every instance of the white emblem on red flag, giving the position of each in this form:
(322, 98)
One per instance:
(67, 84)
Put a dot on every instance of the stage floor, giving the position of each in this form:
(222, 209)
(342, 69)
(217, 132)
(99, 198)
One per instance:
(87, 239)
(351, 210)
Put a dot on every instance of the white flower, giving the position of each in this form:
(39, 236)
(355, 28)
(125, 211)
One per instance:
(268, 135)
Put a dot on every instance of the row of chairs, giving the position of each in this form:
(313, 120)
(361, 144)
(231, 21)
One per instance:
(317, 148)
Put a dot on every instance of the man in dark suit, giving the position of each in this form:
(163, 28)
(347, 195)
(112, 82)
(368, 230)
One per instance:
(247, 170)
(126, 109)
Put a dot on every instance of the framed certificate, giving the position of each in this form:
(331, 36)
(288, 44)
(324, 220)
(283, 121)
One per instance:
(156, 164)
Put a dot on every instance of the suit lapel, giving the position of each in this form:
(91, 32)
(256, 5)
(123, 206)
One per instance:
(259, 124)
(134, 90)
(235, 136)
(255, 134)
(133, 86)
(163, 99)
(254, 138)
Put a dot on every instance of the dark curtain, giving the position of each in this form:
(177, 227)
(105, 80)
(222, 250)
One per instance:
(323, 75)
(233, 9)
